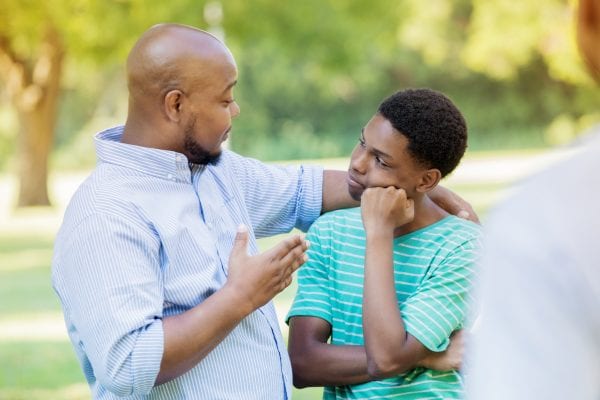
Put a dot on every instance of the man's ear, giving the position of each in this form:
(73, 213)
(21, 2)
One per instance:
(172, 104)
(429, 180)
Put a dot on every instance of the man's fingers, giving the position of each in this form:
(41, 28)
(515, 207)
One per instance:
(288, 245)
(464, 214)
(240, 245)
(294, 259)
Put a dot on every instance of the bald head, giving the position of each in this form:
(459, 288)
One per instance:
(181, 82)
(170, 56)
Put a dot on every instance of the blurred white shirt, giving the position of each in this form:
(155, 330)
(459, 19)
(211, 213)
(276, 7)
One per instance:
(538, 336)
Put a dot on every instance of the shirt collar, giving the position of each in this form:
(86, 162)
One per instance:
(165, 164)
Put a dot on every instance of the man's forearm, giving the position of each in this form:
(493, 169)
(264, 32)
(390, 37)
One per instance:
(335, 191)
(190, 336)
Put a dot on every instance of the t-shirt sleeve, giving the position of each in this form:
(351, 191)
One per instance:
(440, 304)
(312, 298)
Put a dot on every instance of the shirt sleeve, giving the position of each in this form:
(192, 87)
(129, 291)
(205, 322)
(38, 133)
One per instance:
(313, 297)
(439, 306)
(279, 198)
(107, 276)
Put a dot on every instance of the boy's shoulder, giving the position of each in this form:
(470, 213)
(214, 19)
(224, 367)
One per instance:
(455, 222)
(337, 222)
(343, 216)
(459, 233)
(449, 232)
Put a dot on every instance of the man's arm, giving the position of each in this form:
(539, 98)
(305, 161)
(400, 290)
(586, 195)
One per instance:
(336, 196)
(252, 282)
(335, 191)
(453, 203)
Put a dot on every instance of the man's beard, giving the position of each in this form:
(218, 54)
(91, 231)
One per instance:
(196, 153)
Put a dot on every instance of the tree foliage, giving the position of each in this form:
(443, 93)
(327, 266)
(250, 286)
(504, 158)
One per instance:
(311, 72)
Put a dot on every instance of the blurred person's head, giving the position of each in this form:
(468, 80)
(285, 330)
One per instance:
(180, 82)
(588, 35)
(416, 137)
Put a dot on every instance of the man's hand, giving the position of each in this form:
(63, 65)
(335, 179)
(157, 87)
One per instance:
(257, 279)
(385, 208)
(453, 203)
(451, 358)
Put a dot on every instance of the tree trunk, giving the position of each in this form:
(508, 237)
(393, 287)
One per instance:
(34, 87)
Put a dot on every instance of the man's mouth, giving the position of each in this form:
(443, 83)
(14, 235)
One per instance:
(226, 135)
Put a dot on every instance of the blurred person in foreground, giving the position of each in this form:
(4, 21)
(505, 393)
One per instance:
(539, 333)
(162, 298)
(387, 284)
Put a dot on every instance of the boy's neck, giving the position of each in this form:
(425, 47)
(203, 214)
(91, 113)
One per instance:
(426, 213)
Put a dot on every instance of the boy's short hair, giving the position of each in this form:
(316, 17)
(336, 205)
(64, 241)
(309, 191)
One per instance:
(435, 128)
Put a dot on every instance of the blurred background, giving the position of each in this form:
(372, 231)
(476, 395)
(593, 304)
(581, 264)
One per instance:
(311, 73)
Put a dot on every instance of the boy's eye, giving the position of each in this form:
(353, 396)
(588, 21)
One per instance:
(380, 162)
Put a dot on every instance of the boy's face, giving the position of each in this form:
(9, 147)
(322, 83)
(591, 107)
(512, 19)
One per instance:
(381, 159)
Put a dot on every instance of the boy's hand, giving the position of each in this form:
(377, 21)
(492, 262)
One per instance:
(449, 359)
(385, 208)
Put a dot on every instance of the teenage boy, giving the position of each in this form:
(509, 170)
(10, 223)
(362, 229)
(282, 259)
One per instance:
(386, 284)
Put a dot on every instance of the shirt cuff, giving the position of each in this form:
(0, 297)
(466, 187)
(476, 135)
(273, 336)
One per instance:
(310, 199)
(147, 358)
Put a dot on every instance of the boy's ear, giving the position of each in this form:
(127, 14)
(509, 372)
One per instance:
(429, 180)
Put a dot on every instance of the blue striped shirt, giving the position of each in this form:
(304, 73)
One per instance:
(147, 236)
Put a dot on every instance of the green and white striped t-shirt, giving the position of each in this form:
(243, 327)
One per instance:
(434, 267)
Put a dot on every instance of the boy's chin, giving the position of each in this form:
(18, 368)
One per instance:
(355, 194)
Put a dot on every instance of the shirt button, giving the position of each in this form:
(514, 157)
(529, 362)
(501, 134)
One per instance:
(209, 225)
(170, 176)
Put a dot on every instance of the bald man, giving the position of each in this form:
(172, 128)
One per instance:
(164, 291)
(539, 336)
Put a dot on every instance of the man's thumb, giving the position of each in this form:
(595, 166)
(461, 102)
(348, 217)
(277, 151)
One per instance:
(240, 245)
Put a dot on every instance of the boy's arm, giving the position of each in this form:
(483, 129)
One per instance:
(390, 348)
(318, 363)
(431, 314)
(449, 359)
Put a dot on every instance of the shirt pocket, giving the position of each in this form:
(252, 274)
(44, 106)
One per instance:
(194, 271)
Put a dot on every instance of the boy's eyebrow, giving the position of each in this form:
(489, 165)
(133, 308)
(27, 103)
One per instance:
(378, 153)
(381, 154)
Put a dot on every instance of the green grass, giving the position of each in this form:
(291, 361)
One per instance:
(44, 365)
(25, 275)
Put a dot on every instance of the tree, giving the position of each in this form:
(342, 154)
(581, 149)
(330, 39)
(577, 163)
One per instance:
(38, 37)
(33, 85)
